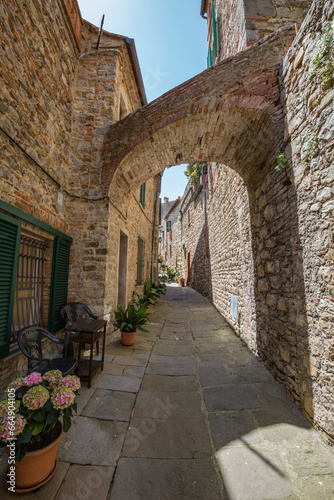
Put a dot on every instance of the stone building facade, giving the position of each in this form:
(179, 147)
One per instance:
(236, 24)
(169, 233)
(60, 93)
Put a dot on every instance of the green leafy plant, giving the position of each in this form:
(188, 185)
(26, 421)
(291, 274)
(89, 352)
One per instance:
(182, 245)
(193, 172)
(180, 216)
(132, 318)
(311, 146)
(281, 161)
(322, 57)
(29, 416)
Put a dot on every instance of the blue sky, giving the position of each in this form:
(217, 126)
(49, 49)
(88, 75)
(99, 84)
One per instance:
(170, 38)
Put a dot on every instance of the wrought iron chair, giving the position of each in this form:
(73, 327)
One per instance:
(30, 339)
(73, 311)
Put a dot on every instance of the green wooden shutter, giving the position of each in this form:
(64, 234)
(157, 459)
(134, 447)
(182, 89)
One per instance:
(9, 250)
(209, 60)
(214, 29)
(59, 281)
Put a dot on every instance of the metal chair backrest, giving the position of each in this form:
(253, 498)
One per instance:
(29, 340)
(73, 311)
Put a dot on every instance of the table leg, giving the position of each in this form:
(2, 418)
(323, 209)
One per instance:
(104, 345)
(91, 362)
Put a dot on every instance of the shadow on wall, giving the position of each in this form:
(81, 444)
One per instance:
(281, 335)
(201, 278)
(279, 288)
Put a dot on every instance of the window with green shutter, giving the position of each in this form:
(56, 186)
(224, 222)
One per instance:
(59, 281)
(140, 260)
(9, 249)
(214, 29)
(142, 194)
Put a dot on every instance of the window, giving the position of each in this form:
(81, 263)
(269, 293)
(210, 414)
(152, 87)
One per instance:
(140, 260)
(142, 194)
(168, 225)
(22, 260)
(30, 279)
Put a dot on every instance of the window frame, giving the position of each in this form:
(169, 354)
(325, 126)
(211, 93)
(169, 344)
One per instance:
(60, 240)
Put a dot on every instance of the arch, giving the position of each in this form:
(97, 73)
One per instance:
(229, 113)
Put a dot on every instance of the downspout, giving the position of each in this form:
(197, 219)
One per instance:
(154, 224)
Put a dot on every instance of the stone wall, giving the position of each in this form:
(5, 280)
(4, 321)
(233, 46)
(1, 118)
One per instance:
(308, 104)
(56, 107)
(37, 71)
(241, 23)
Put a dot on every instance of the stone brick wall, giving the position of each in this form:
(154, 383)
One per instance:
(308, 104)
(37, 71)
(56, 107)
(241, 23)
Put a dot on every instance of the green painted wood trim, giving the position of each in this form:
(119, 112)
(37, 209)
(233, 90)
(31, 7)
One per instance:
(7, 286)
(214, 31)
(29, 218)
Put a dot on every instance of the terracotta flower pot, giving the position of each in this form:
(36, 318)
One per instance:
(128, 338)
(37, 467)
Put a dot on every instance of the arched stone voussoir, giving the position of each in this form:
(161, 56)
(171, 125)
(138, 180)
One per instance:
(229, 113)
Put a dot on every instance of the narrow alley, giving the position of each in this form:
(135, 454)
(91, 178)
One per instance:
(187, 413)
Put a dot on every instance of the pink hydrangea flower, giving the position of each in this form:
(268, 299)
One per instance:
(33, 379)
(17, 382)
(36, 397)
(9, 429)
(62, 397)
(53, 377)
(72, 382)
(7, 408)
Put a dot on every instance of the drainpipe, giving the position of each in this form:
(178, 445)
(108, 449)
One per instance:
(153, 229)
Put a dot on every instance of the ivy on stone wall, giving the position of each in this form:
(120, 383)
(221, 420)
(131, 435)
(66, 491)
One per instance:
(322, 57)
(281, 161)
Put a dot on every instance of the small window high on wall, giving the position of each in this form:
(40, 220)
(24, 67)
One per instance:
(142, 194)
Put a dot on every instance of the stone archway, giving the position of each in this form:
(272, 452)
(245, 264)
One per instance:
(232, 114)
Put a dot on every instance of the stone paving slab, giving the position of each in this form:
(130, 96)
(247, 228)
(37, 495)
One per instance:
(173, 360)
(169, 383)
(233, 428)
(173, 350)
(117, 383)
(86, 482)
(144, 479)
(92, 441)
(165, 405)
(253, 473)
(174, 438)
(171, 369)
(110, 405)
(130, 360)
(231, 397)
(212, 375)
(134, 371)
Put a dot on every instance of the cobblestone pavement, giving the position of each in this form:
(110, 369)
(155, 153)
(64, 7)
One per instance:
(187, 413)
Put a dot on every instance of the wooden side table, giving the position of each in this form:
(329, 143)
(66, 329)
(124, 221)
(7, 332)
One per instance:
(88, 331)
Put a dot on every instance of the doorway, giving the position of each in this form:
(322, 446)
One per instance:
(122, 269)
(188, 269)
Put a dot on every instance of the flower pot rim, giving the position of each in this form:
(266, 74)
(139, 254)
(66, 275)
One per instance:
(35, 453)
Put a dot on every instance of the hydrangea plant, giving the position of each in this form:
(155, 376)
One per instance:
(33, 406)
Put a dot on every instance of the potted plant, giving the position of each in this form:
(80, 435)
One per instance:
(181, 281)
(33, 418)
(130, 320)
